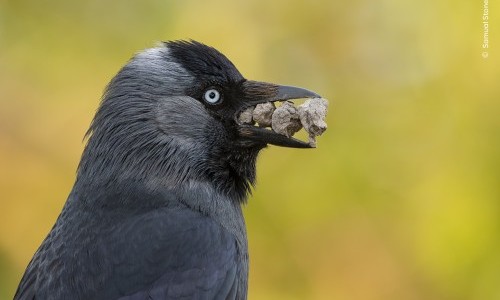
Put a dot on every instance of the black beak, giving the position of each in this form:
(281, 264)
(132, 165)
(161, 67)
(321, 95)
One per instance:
(261, 92)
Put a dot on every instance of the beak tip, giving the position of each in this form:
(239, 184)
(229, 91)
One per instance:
(286, 92)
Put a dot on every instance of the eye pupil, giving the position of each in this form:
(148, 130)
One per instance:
(212, 96)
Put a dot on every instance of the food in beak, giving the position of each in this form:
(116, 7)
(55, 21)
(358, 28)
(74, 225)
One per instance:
(312, 116)
(288, 119)
(263, 113)
(246, 116)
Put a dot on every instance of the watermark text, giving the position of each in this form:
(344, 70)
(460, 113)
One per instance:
(486, 18)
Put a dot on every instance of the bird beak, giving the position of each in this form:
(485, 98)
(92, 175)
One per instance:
(262, 92)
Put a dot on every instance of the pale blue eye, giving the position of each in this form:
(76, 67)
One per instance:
(212, 96)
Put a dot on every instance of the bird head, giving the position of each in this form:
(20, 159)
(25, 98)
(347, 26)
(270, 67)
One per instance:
(170, 116)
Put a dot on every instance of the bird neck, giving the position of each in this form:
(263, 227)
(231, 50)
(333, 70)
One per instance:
(169, 164)
(233, 171)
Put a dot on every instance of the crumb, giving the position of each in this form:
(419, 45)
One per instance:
(246, 116)
(285, 119)
(312, 116)
(262, 114)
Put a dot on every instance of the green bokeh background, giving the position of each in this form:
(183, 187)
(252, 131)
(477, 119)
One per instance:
(401, 200)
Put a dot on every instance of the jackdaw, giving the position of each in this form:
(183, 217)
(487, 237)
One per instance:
(156, 208)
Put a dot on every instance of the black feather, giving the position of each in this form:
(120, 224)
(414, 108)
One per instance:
(204, 61)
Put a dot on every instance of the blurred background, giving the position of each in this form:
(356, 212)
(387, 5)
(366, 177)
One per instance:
(401, 199)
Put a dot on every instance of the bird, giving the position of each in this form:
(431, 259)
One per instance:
(156, 207)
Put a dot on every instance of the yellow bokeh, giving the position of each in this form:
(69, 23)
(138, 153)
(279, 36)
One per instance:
(401, 199)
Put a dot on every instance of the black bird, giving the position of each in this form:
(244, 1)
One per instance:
(155, 211)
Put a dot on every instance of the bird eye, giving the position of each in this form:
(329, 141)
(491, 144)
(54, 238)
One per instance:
(212, 96)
